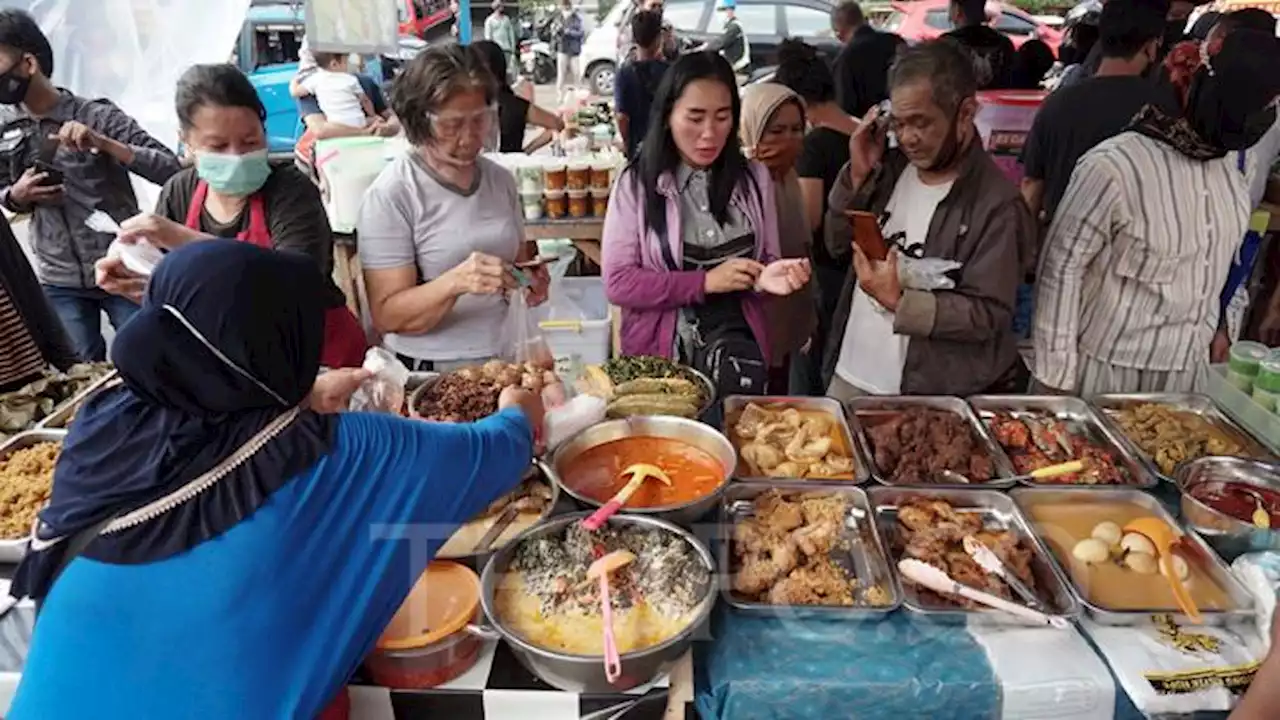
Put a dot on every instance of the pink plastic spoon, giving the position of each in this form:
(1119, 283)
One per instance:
(601, 569)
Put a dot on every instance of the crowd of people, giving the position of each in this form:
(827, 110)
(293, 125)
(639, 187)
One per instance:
(728, 245)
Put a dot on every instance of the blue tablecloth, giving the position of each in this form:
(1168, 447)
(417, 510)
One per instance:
(758, 668)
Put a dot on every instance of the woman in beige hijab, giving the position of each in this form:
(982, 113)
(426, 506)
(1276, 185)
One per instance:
(772, 130)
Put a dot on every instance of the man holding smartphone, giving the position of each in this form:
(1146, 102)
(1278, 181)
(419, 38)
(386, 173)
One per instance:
(901, 328)
(88, 148)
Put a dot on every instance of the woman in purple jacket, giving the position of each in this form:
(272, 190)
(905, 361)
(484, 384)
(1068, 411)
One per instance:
(691, 238)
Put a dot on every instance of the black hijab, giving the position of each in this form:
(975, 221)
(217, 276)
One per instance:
(188, 402)
(1228, 96)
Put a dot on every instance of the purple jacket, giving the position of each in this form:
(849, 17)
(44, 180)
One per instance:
(637, 279)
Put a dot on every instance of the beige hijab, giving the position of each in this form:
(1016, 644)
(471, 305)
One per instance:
(792, 319)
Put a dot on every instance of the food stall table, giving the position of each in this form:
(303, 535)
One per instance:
(770, 668)
(584, 232)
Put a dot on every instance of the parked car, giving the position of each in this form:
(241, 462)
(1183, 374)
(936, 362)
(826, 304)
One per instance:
(766, 22)
(928, 19)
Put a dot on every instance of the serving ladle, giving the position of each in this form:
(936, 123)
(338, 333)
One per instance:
(639, 473)
(601, 569)
(1164, 538)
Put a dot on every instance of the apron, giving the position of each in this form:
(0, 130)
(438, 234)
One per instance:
(344, 339)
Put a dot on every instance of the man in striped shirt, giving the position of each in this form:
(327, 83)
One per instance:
(31, 336)
(1141, 243)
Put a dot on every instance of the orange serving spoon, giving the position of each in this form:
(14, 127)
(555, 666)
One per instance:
(639, 473)
(601, 569)
(1164, 538)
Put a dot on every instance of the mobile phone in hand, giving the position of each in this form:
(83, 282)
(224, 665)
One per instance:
(53, 176)
(867, 235)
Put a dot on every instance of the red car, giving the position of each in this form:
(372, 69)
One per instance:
(928, 19)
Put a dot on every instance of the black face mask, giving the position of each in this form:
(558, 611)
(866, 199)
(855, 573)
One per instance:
(950, 151)
(1174, 33)
(13, 88)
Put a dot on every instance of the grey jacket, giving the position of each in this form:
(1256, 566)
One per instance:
(65, 249)
(962, 340)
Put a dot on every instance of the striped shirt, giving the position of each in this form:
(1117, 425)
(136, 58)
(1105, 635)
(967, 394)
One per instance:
(20, 357)
(1135, 260)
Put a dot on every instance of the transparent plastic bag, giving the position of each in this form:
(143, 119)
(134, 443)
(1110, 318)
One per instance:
(141, 257)
(927, 273)
(385, 391)
(522, 340)
(563, 422)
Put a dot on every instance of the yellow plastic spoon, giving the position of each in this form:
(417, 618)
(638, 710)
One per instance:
(639, 473)
(1164, 538)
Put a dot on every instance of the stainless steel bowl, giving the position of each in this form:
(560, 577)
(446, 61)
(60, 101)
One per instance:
(1229, 536)
(700, 435)
(585, 673)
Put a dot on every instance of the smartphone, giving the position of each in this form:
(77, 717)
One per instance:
(867, 235)
(53, 176)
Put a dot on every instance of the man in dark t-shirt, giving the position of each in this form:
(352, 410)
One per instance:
(861, 69)
(1073, 120)
(637, 81)
(992, 52)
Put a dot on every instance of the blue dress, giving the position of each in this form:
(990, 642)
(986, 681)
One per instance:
(270, 619)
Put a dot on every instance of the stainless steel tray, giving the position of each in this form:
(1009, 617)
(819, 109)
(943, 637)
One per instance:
(1202, 405)
(1194, 550)
(998, 513)
(1080, 419)
(63, 414)
(865, 542)
(864, 408)
(734, 405)
(12, 550)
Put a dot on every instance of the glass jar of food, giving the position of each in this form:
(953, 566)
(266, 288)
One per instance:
(600, 174)
(579, 176)
(554, 176)
(556, 204)
(530, 177)
(599, 201)
(579, 203)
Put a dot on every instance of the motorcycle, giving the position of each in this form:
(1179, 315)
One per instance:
(537, 62)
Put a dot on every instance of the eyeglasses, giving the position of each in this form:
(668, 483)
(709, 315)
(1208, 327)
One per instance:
(451, 125)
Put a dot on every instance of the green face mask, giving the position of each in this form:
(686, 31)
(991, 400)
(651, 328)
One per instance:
(233, 174)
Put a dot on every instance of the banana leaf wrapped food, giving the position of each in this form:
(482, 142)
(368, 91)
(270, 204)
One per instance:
(22, 409)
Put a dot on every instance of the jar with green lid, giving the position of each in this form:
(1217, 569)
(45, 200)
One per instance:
(1266, 386)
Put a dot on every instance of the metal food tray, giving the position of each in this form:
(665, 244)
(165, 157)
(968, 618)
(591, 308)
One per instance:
(1202, 405)
(736, 505)
(12, 551)
(734, 405)
(1194, 550)
(999, 513)
(1080, 420)
(64, 413)
(864, 406)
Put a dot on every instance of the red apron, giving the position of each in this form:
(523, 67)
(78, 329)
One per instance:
(344, 340)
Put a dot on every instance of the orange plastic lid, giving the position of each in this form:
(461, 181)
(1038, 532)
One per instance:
(440, 604)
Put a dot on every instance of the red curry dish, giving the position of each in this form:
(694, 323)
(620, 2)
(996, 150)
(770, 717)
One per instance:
(694, 472)
(1238, 500)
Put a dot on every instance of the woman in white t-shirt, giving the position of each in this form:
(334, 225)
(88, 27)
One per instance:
(441, 228)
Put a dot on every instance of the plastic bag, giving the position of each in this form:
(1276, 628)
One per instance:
(563, 422)
(560, 305)
(927, 273)
(522, 340)
(141, 257)
(384, 392)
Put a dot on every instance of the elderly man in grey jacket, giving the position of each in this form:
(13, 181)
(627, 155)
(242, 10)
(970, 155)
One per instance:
(83, 153)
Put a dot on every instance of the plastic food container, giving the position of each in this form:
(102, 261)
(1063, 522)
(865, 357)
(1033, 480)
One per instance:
(431, 639)
(1246, 357)
(1266, 386)
(579, 176)
(530, 177)
(554, 176)
(600, 172)
(599, 201)
(532, 204)
(1243, 383)
(579, 204)
(557, 205)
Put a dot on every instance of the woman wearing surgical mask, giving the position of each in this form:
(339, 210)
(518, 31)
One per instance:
(773, 124)
(1139, 249)
(441, 228)
(233, 192)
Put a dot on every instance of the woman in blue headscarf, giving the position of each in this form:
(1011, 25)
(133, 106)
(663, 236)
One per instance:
(244, 550)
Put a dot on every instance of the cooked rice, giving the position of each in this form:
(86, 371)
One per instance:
(26, 479)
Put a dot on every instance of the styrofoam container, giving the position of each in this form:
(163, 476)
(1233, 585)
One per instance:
(579, 342)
